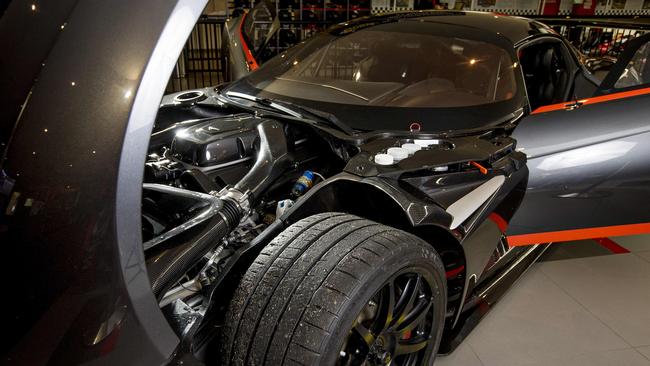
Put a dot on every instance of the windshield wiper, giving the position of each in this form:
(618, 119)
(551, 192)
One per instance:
(295, 110)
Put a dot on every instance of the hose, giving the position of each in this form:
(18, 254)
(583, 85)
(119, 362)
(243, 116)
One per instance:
(272, 161)
(172, 264)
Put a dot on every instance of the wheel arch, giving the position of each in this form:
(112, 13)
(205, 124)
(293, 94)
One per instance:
(374, 203)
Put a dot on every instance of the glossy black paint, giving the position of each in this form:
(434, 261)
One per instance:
(514, 29)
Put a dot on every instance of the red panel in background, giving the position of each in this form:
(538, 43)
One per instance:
(551, 7)
(588, 7)
(248, 54)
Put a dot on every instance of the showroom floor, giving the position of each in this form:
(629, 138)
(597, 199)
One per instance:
(584, 303)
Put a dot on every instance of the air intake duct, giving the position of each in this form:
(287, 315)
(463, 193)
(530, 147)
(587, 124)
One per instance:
(232, 204)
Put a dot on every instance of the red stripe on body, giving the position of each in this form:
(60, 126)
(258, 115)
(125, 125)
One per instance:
(500, 221)
(611, 245)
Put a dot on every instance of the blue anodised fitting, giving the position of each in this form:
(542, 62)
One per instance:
(303, 183)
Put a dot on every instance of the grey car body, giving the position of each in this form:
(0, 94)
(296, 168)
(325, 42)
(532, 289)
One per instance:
(85, 81)
(101, 73)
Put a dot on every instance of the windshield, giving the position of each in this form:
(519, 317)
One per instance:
(409, 67)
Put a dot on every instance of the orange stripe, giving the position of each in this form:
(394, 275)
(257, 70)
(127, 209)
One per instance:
(594, 100)
(480, 167)
(579, 234)
(250, 60)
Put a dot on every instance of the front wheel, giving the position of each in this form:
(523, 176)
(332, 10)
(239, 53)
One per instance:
(336, 289)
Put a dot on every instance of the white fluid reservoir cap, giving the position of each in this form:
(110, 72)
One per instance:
(411, 148)
(425, 143)
(384, 159)
(398, 153)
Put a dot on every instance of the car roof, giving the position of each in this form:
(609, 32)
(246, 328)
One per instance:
(513, 28)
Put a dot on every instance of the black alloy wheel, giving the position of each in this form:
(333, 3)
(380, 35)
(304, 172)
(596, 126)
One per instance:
(396, 326)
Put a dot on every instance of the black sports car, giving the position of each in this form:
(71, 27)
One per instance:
(361, 199)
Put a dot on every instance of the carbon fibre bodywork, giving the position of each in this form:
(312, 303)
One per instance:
(424, 200)
(72, 173)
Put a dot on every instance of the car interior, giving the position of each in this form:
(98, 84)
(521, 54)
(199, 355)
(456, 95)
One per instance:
(546, 72)
(363, 70)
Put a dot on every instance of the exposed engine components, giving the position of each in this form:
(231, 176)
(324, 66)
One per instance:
(211, 190)
(411, 148)
(222, 212)
(303, 183)
(283, 206)
(238, 198)
(208, 145)
(160, 169)
(258, 174)
(384, 159)
(392, 157)
(398, 153)
(212, 205)
(424, 143)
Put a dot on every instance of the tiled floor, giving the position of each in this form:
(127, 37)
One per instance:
(579, 305)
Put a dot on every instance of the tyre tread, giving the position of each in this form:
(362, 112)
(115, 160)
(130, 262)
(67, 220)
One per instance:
(288, 303)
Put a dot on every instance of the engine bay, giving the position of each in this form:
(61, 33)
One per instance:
(218, 178)
(218, 153)
(223, 178)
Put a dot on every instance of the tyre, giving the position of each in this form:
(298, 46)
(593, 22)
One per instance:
(336, 289)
